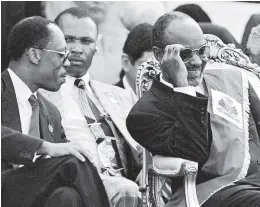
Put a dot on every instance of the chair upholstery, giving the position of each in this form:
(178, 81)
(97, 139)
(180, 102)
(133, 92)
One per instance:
(158, 169)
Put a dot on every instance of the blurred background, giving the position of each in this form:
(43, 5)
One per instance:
(115, 19)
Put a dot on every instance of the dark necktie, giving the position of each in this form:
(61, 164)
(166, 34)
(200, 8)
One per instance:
(35, 121)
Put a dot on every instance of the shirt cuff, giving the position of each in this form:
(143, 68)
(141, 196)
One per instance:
(190, 90)
(35, 156)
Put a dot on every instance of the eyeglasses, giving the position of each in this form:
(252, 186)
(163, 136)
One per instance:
(187, 53)
(63, 55)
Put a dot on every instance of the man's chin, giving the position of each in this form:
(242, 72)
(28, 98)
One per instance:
(195, 81)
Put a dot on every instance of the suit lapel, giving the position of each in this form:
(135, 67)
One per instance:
(117, 102)
(46, 123)
(10, 111)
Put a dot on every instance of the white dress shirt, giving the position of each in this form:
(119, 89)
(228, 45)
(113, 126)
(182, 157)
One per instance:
(73, 120)
(75, 124)
(190, 90)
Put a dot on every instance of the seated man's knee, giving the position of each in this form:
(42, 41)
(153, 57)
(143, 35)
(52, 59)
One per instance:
(122, 192)
(65, 197)
(130, 189)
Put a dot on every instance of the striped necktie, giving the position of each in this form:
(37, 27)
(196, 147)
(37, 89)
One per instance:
(100, 125)
(96, 122)
(35, 120)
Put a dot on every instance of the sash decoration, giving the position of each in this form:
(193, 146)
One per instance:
(229, 114)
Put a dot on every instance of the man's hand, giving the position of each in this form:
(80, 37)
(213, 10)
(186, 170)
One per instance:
(61, 149)
(138, 155)
(174, 69)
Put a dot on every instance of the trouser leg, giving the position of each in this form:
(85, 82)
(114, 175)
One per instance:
(30, 185)
(64, 197)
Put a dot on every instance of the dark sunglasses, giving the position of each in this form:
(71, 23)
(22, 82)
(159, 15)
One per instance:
(187, 53)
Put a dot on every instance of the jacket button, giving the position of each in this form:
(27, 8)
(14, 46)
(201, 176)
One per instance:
(258, 161)
(251, 137)
(177, 124)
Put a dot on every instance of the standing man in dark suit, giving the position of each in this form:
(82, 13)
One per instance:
(211, 117)
(31, 126)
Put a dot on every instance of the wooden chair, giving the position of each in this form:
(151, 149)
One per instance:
(157, 170)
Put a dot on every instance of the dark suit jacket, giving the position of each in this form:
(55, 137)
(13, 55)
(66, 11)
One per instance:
(172, 124)
(19, 148)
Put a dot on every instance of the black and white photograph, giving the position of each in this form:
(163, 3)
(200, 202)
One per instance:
(130, 103)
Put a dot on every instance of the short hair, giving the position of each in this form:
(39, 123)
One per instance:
(158, 34)
(253, 43)
(194, 11)
(138, 41)
(29, 32)
(75, 12)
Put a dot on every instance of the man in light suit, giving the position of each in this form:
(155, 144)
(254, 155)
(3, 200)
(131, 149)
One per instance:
(31, 126)
(95, 112)
(208, 116)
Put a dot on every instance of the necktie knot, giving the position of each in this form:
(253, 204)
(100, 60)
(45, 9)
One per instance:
(33, 101)
(80, 83)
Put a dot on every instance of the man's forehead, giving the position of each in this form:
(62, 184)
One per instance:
(58, 40)
(185, 32)
(71, 25)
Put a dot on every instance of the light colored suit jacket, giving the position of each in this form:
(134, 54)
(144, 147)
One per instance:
(117, 102)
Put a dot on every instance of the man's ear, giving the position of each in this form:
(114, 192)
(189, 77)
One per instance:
(125, 62)
(158, 53)
(34, 55)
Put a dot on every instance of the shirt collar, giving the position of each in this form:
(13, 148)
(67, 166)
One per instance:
(22, 91)
(165, 82)
(70, 79)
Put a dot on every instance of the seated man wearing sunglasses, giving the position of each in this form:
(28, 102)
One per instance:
(211, 117)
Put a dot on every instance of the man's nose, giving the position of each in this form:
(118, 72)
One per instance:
(76, 48)
(196, 60)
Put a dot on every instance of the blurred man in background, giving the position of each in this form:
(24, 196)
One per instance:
(253, 45)
(137, 49)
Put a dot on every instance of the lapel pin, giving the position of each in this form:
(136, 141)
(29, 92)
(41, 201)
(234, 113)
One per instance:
(113, 100)
(50, 127)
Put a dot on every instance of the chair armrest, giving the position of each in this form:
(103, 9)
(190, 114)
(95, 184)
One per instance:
(172, 166)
